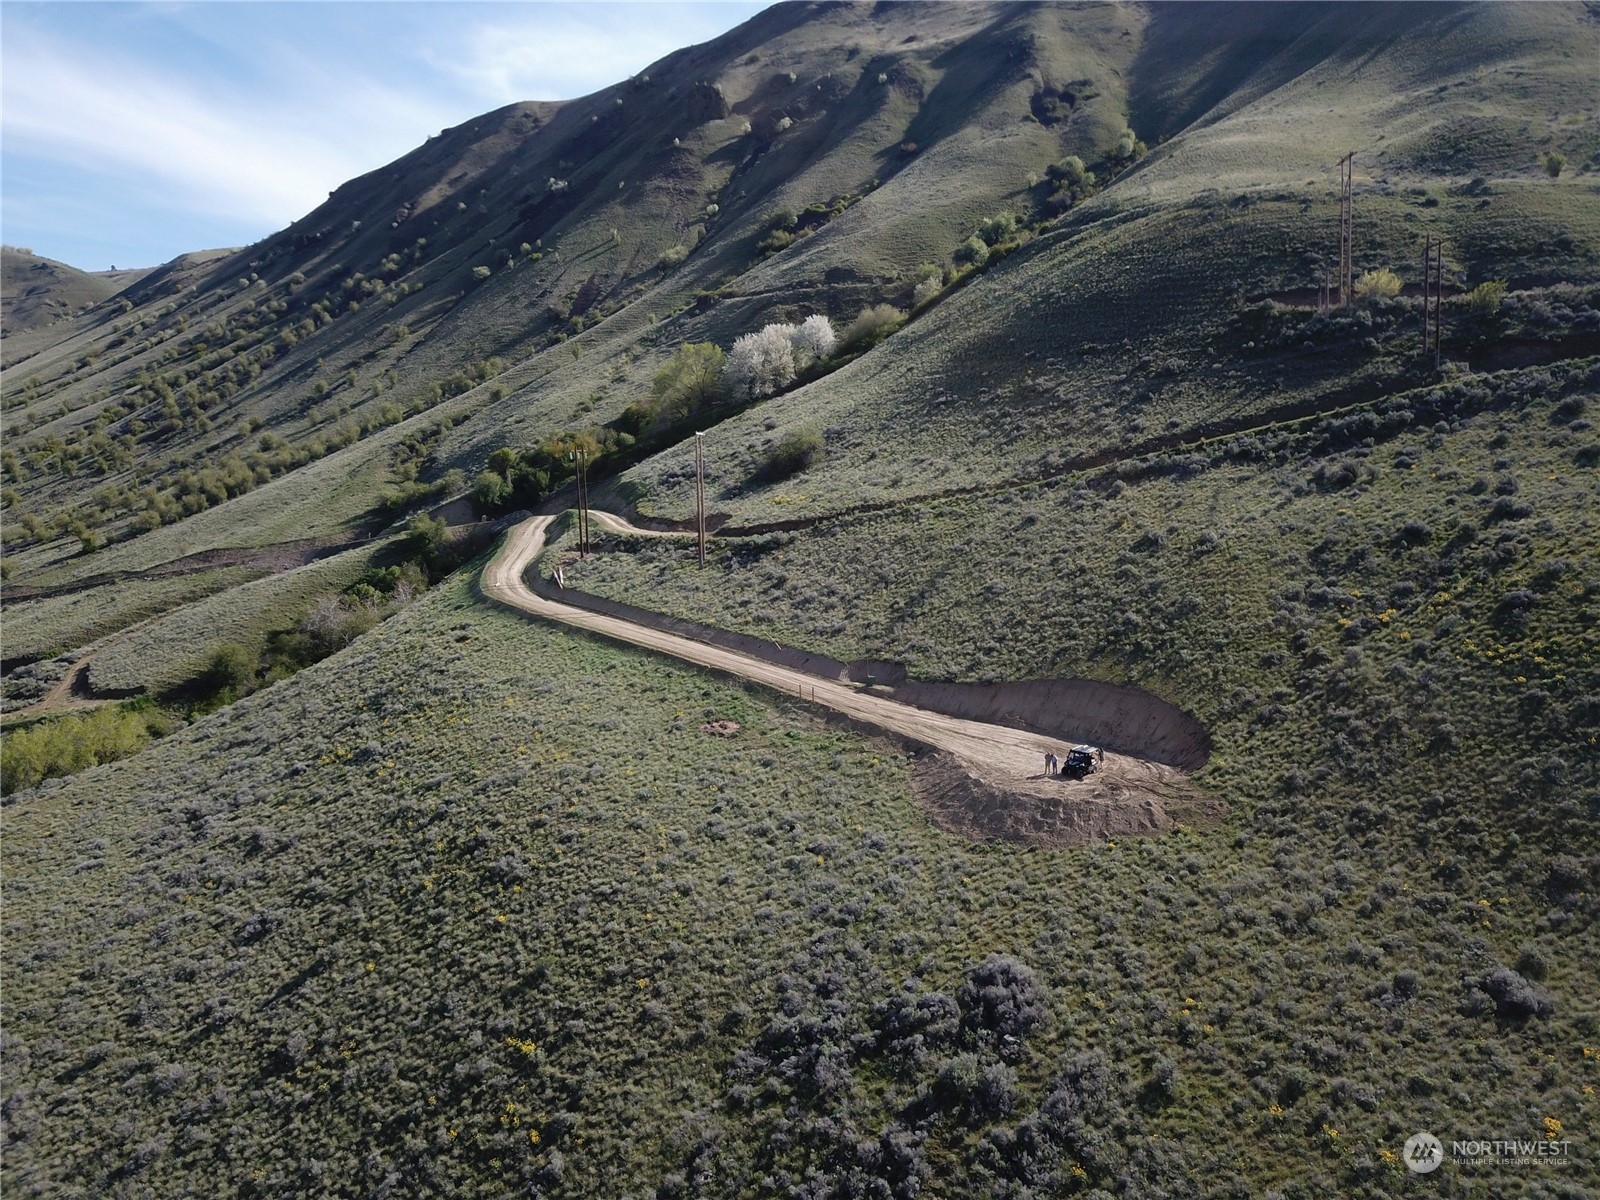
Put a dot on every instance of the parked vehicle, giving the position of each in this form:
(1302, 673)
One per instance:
(1081, 761)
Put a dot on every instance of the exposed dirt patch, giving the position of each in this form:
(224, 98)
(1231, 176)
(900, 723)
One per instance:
(1128, 797)
(723, 728)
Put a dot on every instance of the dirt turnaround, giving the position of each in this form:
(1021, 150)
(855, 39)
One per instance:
(980, 779)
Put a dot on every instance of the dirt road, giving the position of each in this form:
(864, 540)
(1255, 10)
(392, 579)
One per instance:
(985, 781)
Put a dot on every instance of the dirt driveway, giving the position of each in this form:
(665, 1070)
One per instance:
(980, 780)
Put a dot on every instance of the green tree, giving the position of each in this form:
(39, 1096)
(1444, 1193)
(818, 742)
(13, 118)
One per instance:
(72, 743)
(998, 228)
(426, 532)
(232, 668)
(689, 381)
(974, 250)
(1553, 163)
(490, 490)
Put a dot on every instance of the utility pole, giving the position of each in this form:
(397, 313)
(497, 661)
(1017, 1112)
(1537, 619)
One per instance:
(1433, 297)
(1347, 204)
(583, 504)
(1428, 285)
(580, 470)
(1438, 299)
(700, 491)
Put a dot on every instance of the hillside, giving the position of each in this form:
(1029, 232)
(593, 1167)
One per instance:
(475, 904)
(38, 291)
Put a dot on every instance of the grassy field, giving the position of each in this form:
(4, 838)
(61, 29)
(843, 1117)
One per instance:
(175, 646)
(77, 619)
(510, 889)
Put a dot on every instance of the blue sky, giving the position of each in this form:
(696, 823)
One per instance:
(132, 132)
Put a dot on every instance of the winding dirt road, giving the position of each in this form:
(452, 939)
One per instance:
(982, 780)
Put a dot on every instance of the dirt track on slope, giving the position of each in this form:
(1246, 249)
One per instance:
(980, 780)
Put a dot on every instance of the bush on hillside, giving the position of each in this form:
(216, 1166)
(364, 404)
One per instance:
(793, 453)
(778, 239)
(762, 363)
(1129, 147)
(426, 533)
(813, 339)
(1553, 163)
(1484, 300)
(689, 381)
(1071, 173)
(998, 228)
(1003, 998)
(231, 670)
(871, 326)
(1382, 282)
(490, 490)
(53, 749)
(974, 252)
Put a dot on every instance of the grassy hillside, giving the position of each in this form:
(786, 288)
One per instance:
(475, 906)
(570, 907)
(37, 291)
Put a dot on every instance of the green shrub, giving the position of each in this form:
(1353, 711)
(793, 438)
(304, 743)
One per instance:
(689, 381)
(426, 533)
(793, 453)
(778, 239)
(1382, 282)
(1484, 300)
(232, 669)
(672, 256)
(973, 251)
(1553, 163)
(998, 228)
(74, 743)
(490, 490)
(871, 326)
(1071, 172)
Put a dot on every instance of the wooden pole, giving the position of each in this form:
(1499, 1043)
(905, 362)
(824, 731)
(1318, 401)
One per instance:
(1438, 299)
(583, 504)
(700, 492)
(1347, 230)
(1428, 285)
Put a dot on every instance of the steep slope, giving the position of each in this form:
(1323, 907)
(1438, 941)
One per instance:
(501, 237)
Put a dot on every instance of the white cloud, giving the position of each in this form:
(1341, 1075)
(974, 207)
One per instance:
(558, 53)
(241, 118)
(233, 153)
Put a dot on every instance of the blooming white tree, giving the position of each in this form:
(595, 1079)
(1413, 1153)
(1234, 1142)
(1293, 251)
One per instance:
(761, 363)
(812, 339)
